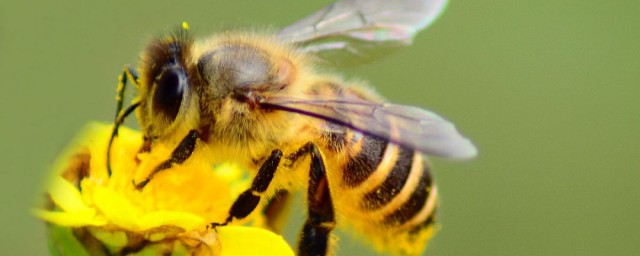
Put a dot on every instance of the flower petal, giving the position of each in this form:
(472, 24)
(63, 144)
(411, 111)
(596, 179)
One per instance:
(184, 220)
(70, 219)
(117, 208)
(66, 195)
(240, 240)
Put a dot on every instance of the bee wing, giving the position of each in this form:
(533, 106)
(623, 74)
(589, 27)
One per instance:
(351, 32)
(409, 126)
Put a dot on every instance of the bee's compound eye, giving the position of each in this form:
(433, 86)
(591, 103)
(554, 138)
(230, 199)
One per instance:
(169, 92)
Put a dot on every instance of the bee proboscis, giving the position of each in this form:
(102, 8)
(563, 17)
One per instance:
(259, 100)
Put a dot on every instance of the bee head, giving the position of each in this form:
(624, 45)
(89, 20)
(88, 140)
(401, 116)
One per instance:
(165, 84)
(214, 87)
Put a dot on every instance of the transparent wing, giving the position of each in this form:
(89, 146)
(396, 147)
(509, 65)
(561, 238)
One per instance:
(413, 127)
(351, 32)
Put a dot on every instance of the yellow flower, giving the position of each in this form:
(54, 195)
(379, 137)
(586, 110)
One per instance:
(91, 212)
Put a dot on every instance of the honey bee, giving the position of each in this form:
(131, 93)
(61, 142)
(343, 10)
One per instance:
(261, 100)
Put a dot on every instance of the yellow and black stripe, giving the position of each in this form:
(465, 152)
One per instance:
(397, 189)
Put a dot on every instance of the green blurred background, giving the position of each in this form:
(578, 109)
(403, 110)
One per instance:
(547, 89)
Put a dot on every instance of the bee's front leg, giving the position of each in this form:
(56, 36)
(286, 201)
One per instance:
(180, 154)
(128, 74)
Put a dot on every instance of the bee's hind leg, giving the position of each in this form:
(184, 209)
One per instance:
(314, 239)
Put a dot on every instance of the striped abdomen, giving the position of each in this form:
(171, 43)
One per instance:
(391, 188)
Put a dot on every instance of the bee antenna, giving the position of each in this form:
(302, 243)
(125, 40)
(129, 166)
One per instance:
(182, 35)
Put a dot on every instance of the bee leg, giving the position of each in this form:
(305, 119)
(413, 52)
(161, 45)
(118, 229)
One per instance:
(128, 74)
(249, 199)
(314, 239)
(180, 154)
